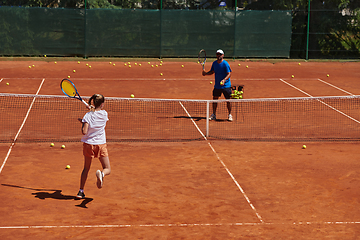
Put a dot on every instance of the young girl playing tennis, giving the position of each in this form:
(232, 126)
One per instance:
(94, 141)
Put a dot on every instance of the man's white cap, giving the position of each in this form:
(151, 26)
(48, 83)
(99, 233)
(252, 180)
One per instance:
(220, 51)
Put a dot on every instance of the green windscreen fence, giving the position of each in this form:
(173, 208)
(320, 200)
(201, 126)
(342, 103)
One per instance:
(143, 33)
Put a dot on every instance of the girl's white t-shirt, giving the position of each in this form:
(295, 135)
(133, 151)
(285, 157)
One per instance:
(96, 131)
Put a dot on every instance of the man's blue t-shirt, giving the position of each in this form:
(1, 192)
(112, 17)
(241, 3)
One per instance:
(221, 70)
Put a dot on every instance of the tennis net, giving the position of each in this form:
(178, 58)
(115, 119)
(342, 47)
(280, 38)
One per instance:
(44, 118)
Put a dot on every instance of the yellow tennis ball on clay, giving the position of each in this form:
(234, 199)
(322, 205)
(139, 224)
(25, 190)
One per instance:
(74, 70)
(78, 62)
(52, 144)
(62, 146)
(44, 55)
(7, 83)
(55, 62)
(304, 146)
(328, 75)
(68, 76)
(161, 74)
(210, 82)
(182, 65)
(113, 64)
(299, 64)
(29, 66)
(292, 76)
(67, 166)
(132, 95)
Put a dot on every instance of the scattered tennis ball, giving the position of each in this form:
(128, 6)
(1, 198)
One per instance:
(113, 64)
(78, 62)
(132, 95)
(7, 83)
(210, 82)
(161, 61)
(299, 64)
(68, 76)
(52, 144)
(239, 64)
(292, 76)
(135, 64)
(182, 65)
(33, 65)
(74, 70)
(152, 65)
(125, 64)
(67, 166)
(62, 146)
(129, 62)
(328, 75)
(304, 146)
(29, 66)
(89, 66)
(148, 62)
(247, 66)
(156, 65)
(110, 63)
(55, 62)
(44, 55)
(160, 64)
(140, 64)
(161, 74)
(129, 66)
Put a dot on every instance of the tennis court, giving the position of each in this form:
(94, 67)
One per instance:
(203, 189)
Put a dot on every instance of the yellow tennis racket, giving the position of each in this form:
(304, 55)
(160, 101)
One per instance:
(69, 89)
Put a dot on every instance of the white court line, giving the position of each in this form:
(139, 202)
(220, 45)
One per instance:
(1, 80)
(321, 102)
(226, 168)
(177, 225)
(336, 87)
(22, 125)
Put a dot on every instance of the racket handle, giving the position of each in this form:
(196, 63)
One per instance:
(86, 104)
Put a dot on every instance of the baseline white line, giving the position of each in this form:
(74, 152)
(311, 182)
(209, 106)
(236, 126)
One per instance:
(322, 102)
(335, 87)
(225, 167)
(1, 80)
(21, 127)
(175, 225)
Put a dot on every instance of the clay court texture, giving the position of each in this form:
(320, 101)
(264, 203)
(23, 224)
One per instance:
(202, 189)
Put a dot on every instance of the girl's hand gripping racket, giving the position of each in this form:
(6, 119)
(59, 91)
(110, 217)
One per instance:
(202, 58)
(69, 90)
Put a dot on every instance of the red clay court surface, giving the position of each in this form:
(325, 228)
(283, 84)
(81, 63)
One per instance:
(182, 190)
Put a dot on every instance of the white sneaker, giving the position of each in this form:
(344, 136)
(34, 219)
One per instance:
(212, 117)
(100, 177)
(230, 118)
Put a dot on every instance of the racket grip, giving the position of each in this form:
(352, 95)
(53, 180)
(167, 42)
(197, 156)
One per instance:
(86, 104)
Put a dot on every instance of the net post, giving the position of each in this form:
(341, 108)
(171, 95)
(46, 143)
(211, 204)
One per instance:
(207, 117)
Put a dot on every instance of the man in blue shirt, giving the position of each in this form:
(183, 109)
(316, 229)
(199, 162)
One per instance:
(222, 71)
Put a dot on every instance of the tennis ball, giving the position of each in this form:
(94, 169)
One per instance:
(210, 82)
(160, 64)
(299, 64)
(78, 62)
(148, 62)
(52, 144)
(62, 146)
(182, 65)
(29, 66)
(247, 66)
(132, 95)
(221, 83)
(113, 64)
(129, 62)
(89, 66)
(135, 64)
(304, 146)
(156, 65)
(7, 83)
(55, 62)
(44, 55)
(74, 71)
(67, 166)
(328, 75)
(125, 64)
(110, 63)
(140, 64)
(239, 64)
(129, 66)
(292, 76)
(68, 76)
(152, 65)
(161, 74)
(33, 65)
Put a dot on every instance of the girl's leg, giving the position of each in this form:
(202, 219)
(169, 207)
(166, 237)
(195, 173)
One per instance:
(105, 163)
(84, 174)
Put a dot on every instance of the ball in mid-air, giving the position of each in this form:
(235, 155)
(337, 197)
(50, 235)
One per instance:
(62, 146)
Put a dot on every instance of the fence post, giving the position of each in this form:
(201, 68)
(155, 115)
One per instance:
(308, 32)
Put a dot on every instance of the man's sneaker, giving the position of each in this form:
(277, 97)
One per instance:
(100, 178)
(230, 118)
(212, 117)
(80, 194)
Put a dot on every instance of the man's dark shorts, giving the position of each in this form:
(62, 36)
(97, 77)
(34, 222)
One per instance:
(226, 91)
